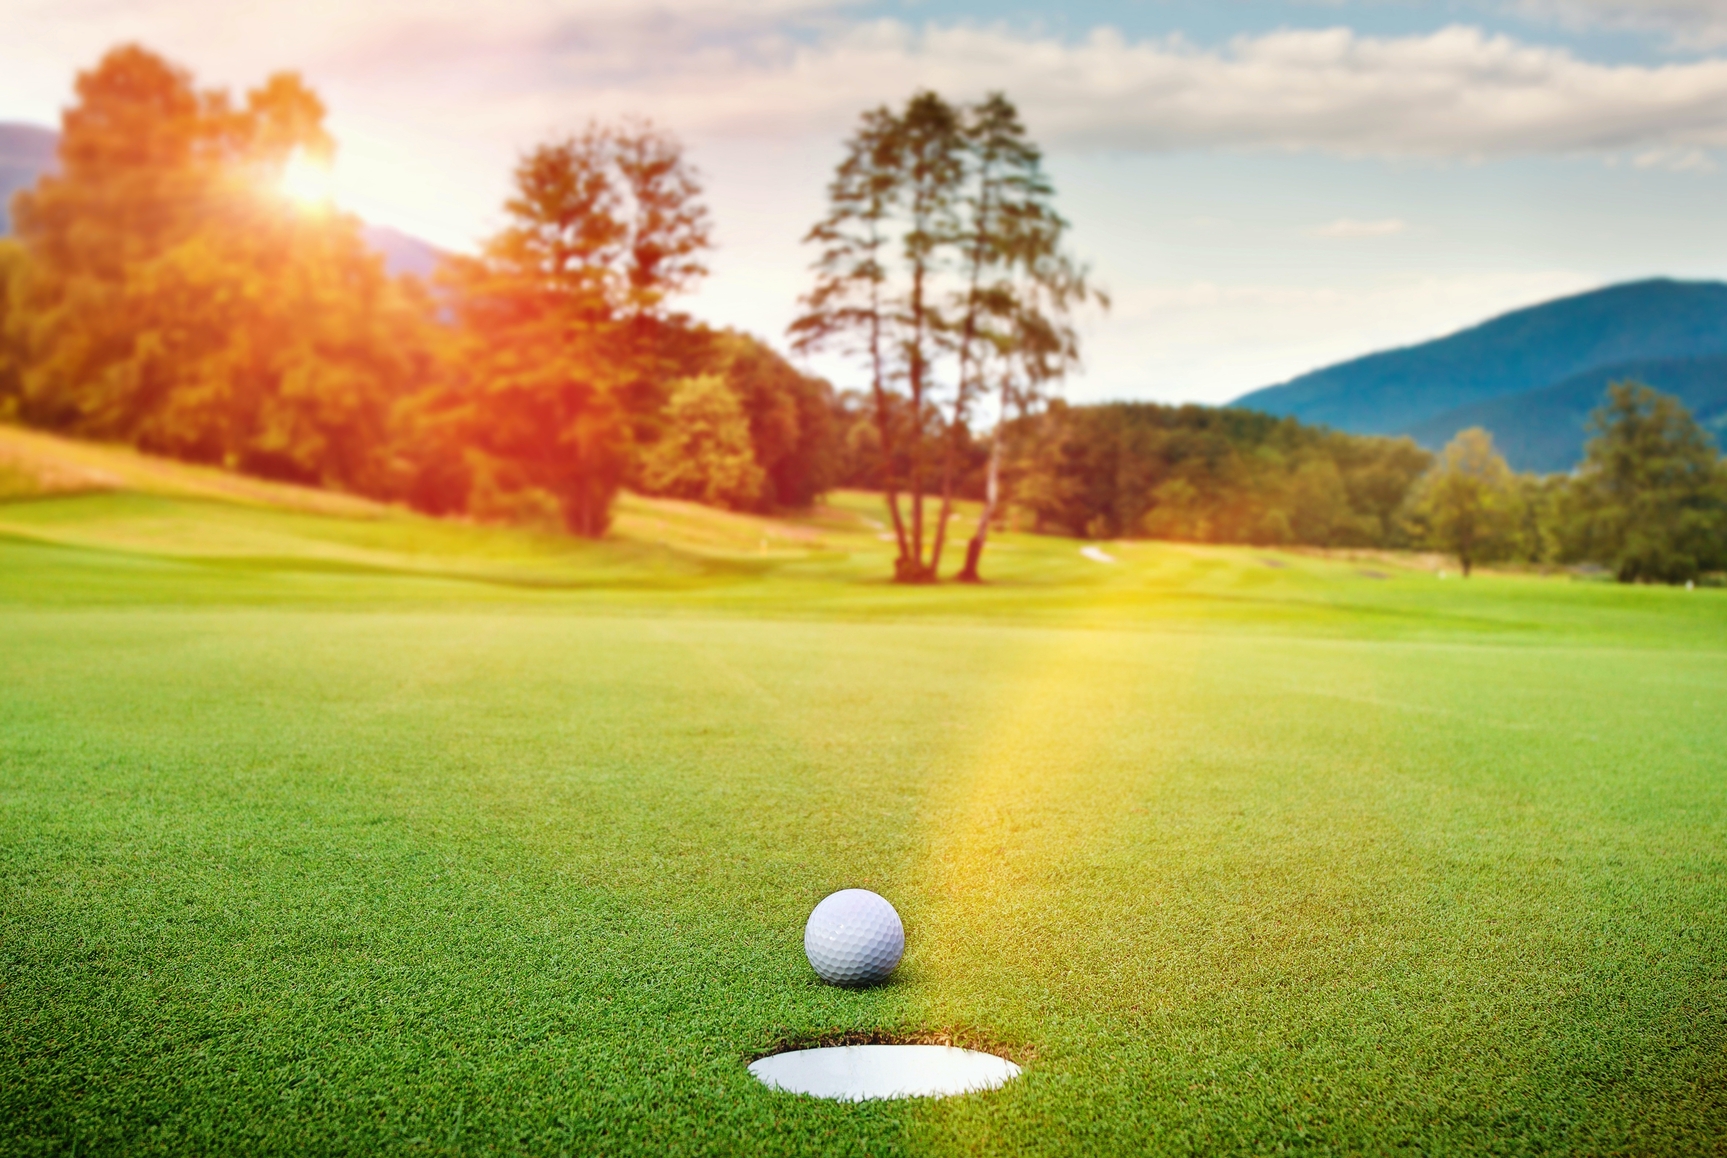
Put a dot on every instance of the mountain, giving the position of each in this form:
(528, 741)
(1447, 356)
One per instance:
(1544, 430)
(1546, 358)
(403, 252)
(28, 151)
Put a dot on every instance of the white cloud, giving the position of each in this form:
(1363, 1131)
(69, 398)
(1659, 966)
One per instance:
(1458, 93)
(1687, 23)
(793, 67)
(1211, 341)
(1455, 93)
(1349, 227)
(1675, 160)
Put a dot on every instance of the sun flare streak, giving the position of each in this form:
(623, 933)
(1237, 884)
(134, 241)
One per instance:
(307, 181)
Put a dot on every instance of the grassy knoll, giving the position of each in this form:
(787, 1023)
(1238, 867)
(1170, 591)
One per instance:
(329, 829)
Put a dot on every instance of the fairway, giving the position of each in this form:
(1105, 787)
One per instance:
(330, 830)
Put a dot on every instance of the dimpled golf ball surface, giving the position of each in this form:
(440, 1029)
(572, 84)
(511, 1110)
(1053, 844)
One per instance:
(854, 937)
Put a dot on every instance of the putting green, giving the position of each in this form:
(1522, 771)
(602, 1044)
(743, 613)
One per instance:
(351, 832)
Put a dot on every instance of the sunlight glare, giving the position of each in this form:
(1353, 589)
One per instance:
(307, 181)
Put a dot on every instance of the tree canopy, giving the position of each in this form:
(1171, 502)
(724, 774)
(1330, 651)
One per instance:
(564, 338)
(1650, 503)
(165, 289)
(174, 298)
(941, 269)
(1207, 475)
(1650, 500)
(1468, 503)
(706, 453)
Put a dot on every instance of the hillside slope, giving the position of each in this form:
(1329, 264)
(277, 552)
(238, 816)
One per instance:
(26, 152)
(98, 497)
(403, 252)
(1545, 429)
(1400, 391)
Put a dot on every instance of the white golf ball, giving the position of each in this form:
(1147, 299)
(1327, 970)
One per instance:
(854, 937)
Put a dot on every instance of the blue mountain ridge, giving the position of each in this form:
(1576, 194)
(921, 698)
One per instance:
(28, 151)
(1555, 359)
(1545, 429)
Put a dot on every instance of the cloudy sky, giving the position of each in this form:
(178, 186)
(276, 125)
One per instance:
(1264, 186)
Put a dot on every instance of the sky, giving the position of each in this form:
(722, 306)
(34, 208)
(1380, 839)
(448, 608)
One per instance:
(1263, 186)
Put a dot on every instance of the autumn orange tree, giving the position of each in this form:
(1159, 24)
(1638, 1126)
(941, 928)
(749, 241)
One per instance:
(13, 327)
(565, 339)
(171, 296)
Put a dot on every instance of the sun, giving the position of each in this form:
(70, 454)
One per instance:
(307, 181)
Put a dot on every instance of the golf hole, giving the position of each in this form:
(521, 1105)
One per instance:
(858, 1073)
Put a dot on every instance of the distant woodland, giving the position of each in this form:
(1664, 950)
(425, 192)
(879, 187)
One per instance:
(161, 289)
(1648, 504)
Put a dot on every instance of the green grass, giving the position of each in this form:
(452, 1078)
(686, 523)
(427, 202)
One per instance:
(341, 831)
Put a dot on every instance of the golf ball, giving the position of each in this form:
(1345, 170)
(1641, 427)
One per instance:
(854, 937)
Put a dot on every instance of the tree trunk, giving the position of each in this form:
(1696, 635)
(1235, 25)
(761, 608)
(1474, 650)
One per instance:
(946, 510)
(884, 426)
(913, 570)
(974, 549)
(898, 523)
(884, 421)
(973, 553)
(968, 335)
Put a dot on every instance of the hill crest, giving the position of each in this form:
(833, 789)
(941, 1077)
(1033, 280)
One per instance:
(1432, 389)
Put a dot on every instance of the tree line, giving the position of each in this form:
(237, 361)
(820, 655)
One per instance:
(1649, 502)
(1206, 475)
(162, 290)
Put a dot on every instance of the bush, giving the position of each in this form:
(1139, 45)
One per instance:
(706, 454)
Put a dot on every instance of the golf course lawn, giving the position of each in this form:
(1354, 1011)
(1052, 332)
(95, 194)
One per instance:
(332, 830)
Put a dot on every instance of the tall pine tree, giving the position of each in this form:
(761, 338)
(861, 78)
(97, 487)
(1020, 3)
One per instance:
(942, 268)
